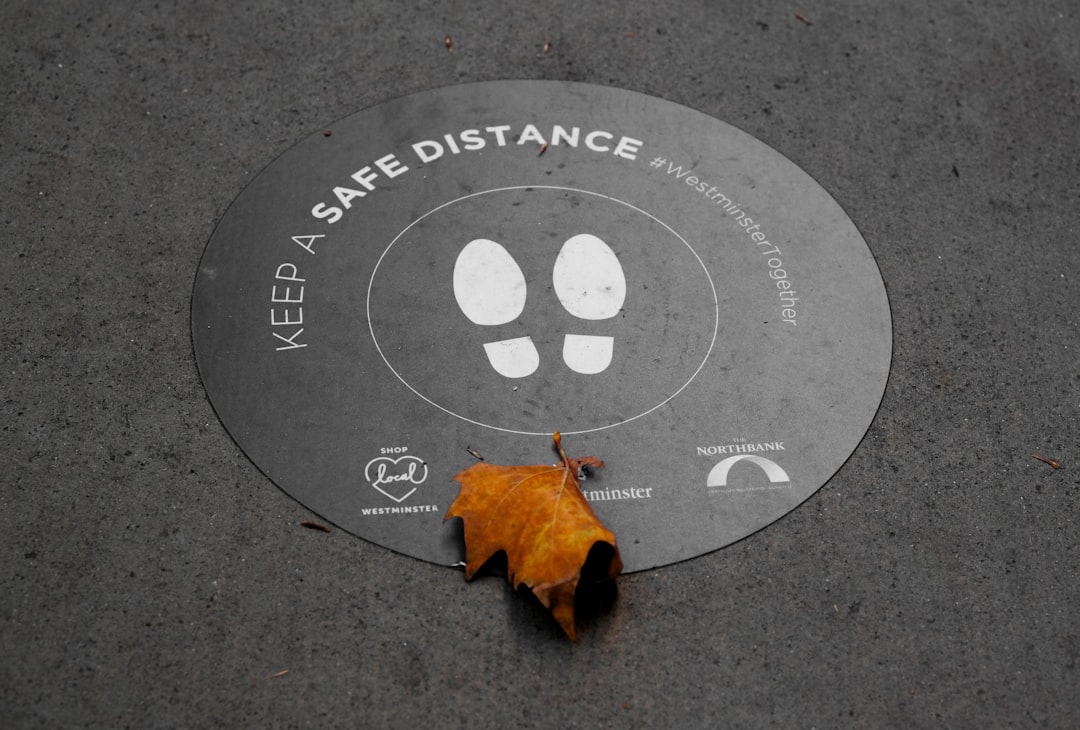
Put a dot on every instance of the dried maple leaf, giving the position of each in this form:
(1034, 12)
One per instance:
(538, 516)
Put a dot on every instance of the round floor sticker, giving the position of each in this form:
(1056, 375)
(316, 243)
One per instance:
(460, 273)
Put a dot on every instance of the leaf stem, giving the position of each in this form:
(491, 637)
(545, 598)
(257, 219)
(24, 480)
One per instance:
(558, 445)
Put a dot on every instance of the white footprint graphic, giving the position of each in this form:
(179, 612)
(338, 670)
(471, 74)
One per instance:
(590, 284)
(491, 290)
(488, 284)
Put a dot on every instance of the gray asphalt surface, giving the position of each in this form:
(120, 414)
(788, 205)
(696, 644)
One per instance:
(153, 577)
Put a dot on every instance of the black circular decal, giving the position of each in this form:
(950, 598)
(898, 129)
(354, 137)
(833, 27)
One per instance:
(459, 273)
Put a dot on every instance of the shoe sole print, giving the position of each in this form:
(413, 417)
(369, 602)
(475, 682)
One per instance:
(589, 282)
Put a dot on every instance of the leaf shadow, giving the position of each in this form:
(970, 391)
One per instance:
(496, 566)
(594, 599)
(596, 592)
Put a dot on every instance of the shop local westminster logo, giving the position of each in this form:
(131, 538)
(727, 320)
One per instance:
(397, 478)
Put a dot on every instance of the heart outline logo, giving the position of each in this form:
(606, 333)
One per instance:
(379, 473)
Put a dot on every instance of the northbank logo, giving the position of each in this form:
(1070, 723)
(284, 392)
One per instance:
(743, 472)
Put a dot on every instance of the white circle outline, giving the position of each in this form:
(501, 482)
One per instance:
(708, 276)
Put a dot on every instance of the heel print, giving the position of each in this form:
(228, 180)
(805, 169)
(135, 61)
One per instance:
(514, 358)
(587, 354)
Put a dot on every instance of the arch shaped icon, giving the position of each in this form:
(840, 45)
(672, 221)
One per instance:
(718, 475)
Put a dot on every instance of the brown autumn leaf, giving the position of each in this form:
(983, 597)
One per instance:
(538, 516)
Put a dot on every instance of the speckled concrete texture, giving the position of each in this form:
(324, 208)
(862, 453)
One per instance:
(152, 577)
